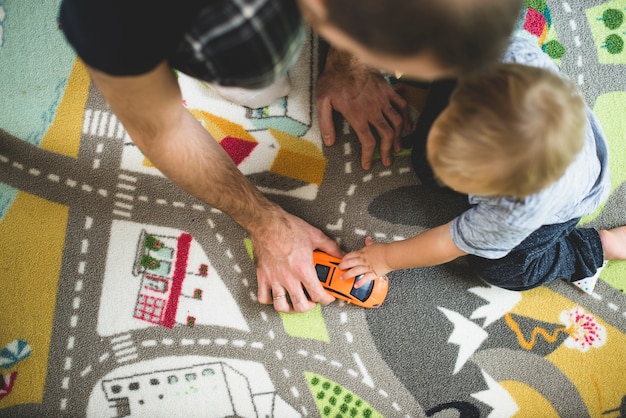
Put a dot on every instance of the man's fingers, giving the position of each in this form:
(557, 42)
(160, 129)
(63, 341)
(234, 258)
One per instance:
(299, 302)
(281, 301)
(395, 119)
(322, 297)
(368, 146)
(387, 136)
(397, 145)
(401, 106)
(327, 126)
(264, 292)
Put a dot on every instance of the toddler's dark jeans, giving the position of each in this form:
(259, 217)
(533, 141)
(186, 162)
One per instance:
(559, 251)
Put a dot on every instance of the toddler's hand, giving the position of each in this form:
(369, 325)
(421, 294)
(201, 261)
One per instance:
(369, 262)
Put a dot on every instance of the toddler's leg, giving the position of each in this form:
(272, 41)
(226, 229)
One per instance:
(559, 251)
(614, 243)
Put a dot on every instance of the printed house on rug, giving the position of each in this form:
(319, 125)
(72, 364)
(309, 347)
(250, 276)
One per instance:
(162, 263)
(168, 280)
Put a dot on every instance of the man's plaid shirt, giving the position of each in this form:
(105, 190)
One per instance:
(244, 43)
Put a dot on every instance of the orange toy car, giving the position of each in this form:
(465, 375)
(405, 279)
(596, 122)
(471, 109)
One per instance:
(370, 295)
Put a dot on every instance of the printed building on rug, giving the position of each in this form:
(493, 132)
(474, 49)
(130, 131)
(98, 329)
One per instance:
(157, 276)
(161, 262)
(217, 387)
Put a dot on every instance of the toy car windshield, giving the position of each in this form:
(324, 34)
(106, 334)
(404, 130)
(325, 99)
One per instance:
(322, 272)
(363, 292)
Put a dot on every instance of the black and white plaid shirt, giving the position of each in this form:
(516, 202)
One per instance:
(244, 43)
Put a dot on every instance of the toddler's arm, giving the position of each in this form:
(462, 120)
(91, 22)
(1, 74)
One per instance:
(429, 248)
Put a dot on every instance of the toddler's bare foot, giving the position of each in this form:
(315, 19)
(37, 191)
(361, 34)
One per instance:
(614, 243)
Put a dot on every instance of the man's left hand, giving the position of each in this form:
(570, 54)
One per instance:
(366, 101)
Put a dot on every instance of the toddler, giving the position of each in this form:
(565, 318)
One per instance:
(518, 139)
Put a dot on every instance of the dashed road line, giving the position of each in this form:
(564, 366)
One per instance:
(85, 371)
(70, 343)
(55, 178)
(573, 25)
(610, 305)
(76, 304)
(98, 151)
(81, 267)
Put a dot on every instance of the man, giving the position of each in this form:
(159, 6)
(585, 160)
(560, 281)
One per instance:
(130, 47)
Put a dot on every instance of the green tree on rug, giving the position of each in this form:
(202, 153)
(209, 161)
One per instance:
(612, 18)
(607, 27)
(335, 401)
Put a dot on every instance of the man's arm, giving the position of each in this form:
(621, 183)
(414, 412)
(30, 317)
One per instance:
(430, 248)
(150, 108)
(366, 101)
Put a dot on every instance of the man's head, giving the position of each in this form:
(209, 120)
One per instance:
(424, 39)
(510, 130)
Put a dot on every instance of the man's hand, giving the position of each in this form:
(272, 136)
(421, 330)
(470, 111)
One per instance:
(366, 101)
(283, 251)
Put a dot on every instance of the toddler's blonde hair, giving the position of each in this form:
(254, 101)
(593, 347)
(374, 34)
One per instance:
(511, 128)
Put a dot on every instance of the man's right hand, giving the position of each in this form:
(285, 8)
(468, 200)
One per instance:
(283, 250)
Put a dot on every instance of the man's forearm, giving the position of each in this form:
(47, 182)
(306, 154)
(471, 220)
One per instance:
(191, 158)
(346, 63)
(150, 108)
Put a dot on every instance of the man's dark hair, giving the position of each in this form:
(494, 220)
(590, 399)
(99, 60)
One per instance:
(462, 34)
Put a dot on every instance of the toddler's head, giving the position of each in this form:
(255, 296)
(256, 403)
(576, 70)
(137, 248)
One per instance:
(510, 130)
